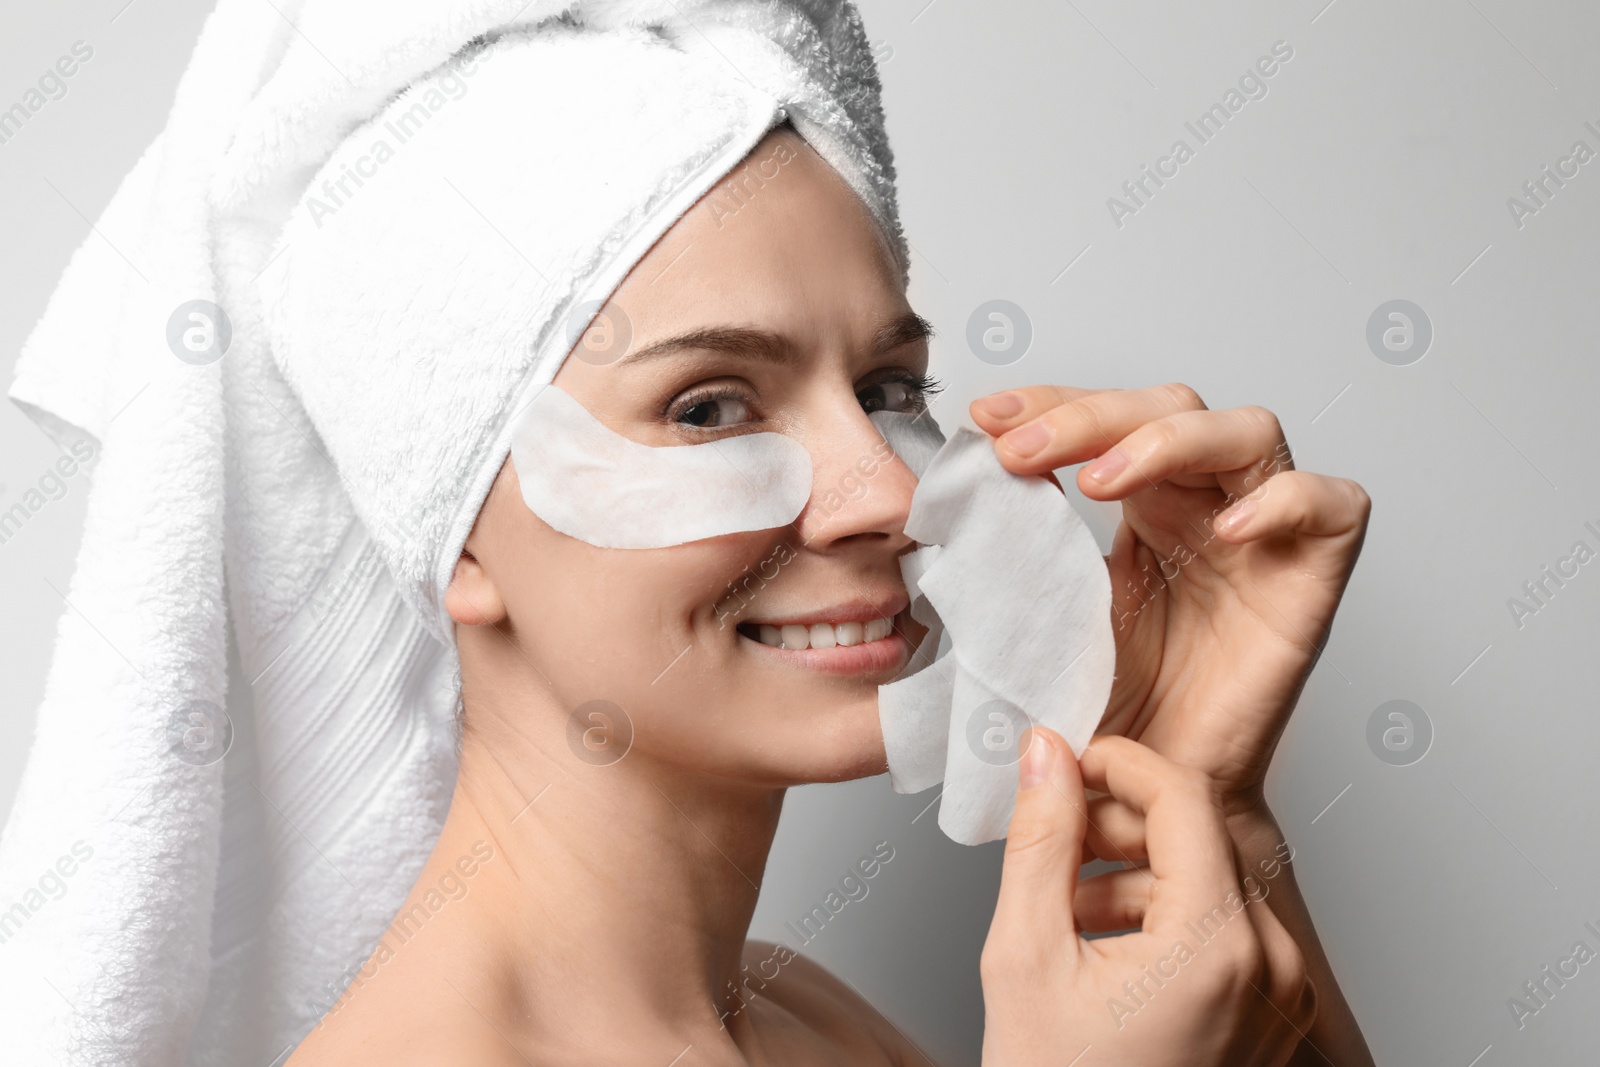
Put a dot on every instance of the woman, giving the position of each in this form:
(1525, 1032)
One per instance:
(396, 240)
(609, 900)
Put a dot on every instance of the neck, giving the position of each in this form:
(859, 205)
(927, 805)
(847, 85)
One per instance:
(617, 890)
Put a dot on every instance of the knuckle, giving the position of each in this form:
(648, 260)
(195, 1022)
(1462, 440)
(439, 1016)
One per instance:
(1287, 972)
(1247, 960)
(1263, 420)
(1182, 396)
(993, 963)
(1007, 960)
(1164, 434)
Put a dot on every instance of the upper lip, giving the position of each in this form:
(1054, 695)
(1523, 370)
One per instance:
(859, 609)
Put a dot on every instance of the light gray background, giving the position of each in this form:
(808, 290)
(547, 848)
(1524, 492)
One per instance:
(1377, 167)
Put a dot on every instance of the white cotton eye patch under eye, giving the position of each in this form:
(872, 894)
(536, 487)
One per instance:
(590, 482)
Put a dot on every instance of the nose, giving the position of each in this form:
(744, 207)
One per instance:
(860, 492)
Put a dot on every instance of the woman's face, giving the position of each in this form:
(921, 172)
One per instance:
(788, 316)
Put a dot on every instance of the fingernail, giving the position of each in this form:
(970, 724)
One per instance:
(1237, 516)
(1035, 766)
(1105, 469)
(1026, 440)
(1001, 405)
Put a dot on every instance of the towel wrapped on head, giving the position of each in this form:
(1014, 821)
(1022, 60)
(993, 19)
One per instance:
(380, 220)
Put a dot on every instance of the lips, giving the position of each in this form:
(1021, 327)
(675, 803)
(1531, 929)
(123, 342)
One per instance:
(860, 636)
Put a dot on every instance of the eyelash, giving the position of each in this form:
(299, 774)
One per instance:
(923, 386)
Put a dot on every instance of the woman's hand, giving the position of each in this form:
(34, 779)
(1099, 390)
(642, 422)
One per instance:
(1225, 571)
(1210, 978)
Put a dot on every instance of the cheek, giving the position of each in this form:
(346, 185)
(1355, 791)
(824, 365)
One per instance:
(605, 623)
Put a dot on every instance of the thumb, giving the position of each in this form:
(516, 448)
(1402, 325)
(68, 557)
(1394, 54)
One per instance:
(1044, 845)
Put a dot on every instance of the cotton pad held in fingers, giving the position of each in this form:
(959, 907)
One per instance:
(1021, 587)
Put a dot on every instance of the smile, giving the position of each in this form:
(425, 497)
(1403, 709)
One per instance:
(796, 636)
(855, 638)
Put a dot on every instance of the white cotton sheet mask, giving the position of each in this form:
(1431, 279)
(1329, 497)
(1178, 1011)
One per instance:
(1011, 571)
(590, 482)
(914, 437)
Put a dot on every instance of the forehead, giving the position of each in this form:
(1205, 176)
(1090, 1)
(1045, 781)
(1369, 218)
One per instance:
(781, 241)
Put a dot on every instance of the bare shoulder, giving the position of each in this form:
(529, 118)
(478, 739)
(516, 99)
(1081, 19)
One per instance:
(822, 1000)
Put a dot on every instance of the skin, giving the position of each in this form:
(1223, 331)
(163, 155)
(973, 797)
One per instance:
(1218, 623)
(593, 884)
(1210, 976)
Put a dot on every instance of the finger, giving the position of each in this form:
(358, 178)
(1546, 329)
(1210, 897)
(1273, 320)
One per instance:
(1305, 1013)
(1287, 973)
(1191, 856)
(1115, 832)
(1113, 901)
(1062, 426)
(1039, 872)
(1296, 502)
(1284, 1036)
(1236, 449)
(999, 412)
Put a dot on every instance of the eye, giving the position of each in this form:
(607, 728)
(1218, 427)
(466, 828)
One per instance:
(706, 411)
(908, 393)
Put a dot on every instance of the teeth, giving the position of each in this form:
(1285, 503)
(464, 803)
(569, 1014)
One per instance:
(824, 635)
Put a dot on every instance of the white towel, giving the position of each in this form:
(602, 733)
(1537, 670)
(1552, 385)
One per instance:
(163, 907)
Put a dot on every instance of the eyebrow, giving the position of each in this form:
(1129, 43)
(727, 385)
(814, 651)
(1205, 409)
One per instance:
(771, 347)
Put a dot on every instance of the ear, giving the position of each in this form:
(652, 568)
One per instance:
(471, 598)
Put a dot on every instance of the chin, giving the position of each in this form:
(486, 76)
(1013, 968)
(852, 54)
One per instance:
(844, 745)
(810, 733)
